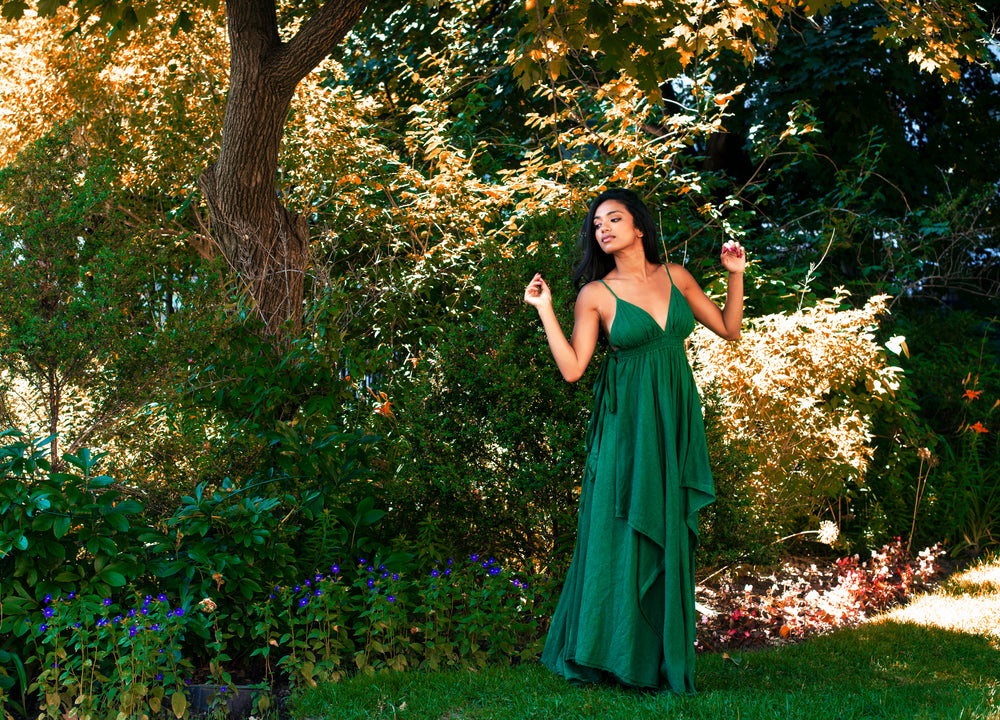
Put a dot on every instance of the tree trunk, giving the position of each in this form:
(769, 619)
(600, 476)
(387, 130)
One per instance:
(265, 244)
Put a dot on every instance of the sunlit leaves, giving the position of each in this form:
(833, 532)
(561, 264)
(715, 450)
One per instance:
(802, 388)
(653, 41)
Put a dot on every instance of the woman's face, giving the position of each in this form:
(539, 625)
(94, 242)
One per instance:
(614, 227)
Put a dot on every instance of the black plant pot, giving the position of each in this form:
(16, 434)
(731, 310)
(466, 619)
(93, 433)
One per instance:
(239, 699)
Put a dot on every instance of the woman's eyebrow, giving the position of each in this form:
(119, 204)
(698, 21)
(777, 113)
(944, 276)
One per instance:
(609, 212)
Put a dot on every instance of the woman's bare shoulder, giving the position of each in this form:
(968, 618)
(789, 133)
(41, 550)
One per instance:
(681, 277)
(593, 295)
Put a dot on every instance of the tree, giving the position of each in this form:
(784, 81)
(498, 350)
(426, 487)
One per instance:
(79, 310)
(267, 245)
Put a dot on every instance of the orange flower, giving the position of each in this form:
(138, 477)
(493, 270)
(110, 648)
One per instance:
(978, 427)
(973, 394)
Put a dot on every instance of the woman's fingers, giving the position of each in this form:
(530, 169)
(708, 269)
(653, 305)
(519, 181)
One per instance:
(733, 247)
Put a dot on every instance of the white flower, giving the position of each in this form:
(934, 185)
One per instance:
(828, 532)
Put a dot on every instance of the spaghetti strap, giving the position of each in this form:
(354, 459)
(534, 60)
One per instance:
(667, 267)
(610, 290)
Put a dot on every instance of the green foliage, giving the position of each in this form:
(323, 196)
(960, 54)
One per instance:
(954, 384)
(62, 530)
(83, 323)
(372, 615)
(736, 526)
(103, 658)
(59, 531)
(487, 438)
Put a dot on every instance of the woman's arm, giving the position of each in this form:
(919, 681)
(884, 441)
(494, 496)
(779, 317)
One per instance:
(725, 323)
(572, 356)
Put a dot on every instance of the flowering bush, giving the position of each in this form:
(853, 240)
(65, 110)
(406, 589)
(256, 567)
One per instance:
(107, 658)
(100, 658)
(372, 617)
(801, 388)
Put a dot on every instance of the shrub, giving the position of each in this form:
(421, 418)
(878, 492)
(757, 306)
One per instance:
(486, 441)
(798, 392)
(59, 532)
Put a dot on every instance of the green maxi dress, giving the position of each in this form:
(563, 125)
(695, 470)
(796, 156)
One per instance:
(627, 613)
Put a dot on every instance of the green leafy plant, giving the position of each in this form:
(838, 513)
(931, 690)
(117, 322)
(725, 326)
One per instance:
(100, 658)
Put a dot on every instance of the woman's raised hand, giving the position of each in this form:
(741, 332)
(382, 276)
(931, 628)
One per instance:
(537, 293)
(734, 259)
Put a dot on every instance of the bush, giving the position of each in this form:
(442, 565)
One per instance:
(60, 532)
(798, 392)
(486, 439)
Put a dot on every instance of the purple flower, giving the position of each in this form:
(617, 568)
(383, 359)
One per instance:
(473, 558)
(132, 631)
(395, 576)
(106, 601)
(371, 583)
(161, 597)
(303, 602)
(494, 571)
(48, 598)
(392, 598)
(160, 676)
(318, 592)
(49, 612)
(43, 627)
(434, 572)
(102, 622)
(335, 569)
(71, 596)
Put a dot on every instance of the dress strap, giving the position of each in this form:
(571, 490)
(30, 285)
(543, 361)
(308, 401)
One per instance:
(667, 267)
(609, 289)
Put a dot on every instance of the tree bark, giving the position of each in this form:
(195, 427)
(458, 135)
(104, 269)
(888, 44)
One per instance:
(265, 244)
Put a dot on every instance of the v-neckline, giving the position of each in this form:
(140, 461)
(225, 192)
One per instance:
(666, 322)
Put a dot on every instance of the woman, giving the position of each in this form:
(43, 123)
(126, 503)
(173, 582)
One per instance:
(627, 611)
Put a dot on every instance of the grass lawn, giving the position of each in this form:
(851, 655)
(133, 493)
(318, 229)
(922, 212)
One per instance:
(938, 657)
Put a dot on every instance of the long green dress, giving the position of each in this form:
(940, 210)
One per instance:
(627, 611)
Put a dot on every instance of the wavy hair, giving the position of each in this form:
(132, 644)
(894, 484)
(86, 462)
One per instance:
(595, 263)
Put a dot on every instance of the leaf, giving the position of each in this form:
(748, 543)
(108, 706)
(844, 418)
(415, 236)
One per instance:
(117, 521)
(61, 526)
(178, 703)
(113, 578)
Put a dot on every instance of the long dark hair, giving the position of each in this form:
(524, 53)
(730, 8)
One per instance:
(595, 263)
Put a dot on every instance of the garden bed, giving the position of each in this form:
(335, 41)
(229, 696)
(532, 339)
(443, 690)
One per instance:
(744, 607)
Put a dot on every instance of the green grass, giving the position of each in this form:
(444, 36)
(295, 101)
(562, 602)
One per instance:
(885, 669)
